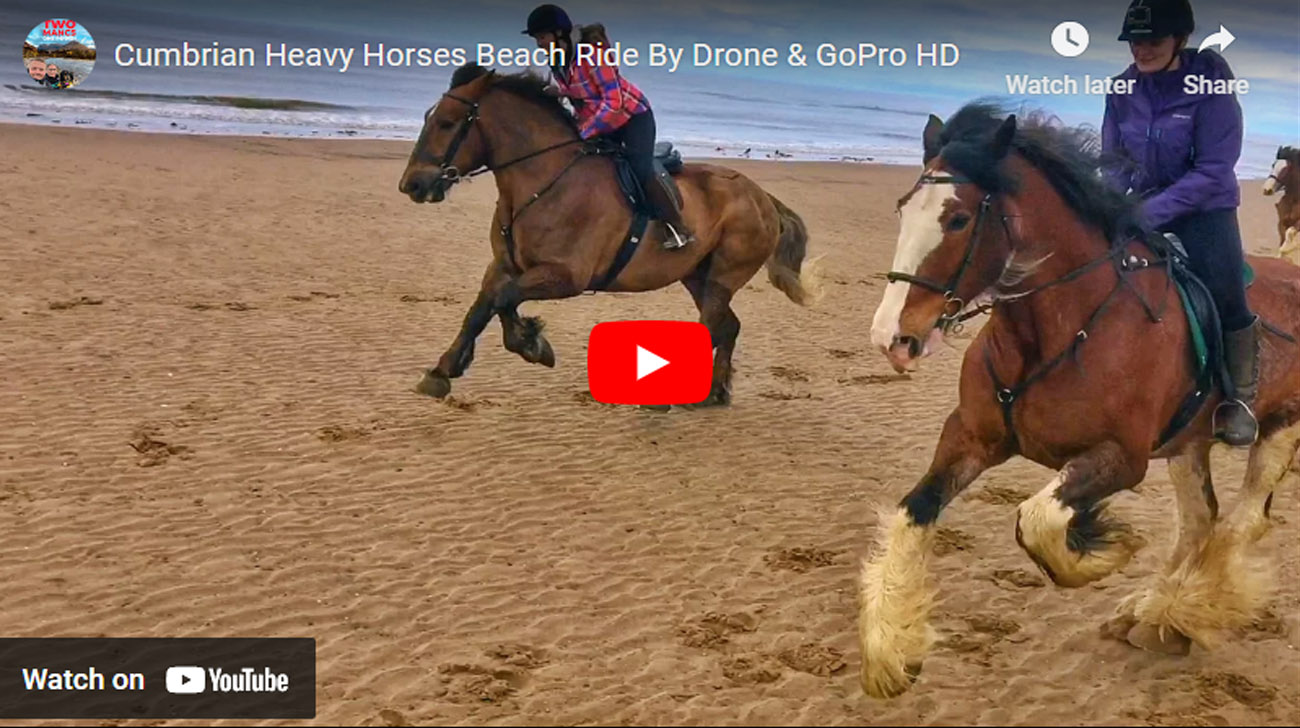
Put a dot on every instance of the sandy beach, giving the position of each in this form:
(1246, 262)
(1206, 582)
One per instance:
(208, 348)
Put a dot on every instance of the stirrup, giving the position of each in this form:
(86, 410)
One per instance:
(1221, 434)
(673, 241)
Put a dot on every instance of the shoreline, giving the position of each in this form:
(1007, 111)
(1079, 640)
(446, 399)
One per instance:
(8, 126)
(50, 123)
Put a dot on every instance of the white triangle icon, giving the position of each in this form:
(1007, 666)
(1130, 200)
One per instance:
(648, 363)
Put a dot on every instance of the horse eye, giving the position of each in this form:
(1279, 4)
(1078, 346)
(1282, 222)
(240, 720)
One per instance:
(444, 124)
(958, 222)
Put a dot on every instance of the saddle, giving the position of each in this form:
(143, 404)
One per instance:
(1204, 327)
(667, 162)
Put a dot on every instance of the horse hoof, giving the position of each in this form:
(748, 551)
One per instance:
(545, 354)
(1151, 638)
(434, 384)
(1117, 627)
(886, 689)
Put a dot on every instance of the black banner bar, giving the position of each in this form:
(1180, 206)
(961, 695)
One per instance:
(157, 678)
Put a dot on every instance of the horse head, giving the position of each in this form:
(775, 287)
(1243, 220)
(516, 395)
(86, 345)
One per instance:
(950, 249)
(1285, 166)
(452, 142)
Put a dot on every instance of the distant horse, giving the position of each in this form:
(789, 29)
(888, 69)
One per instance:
(1081, 368)
(1285, 176)
(560, 221)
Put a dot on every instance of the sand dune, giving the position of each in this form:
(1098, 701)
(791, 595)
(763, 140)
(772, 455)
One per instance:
(208, 347)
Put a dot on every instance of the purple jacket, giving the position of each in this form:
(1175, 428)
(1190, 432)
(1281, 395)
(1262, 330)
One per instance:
(1176, 150)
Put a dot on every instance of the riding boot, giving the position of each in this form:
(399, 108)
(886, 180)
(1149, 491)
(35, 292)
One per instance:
(1234, 419)
(676, 234)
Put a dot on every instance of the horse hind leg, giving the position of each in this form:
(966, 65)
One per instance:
(713, 299)
(1065, 528)
(1220, 586)
(1189, 471)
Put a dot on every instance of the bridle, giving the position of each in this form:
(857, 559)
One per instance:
(449, 170)
(454, 175)
(953, 305)
(1007, 394)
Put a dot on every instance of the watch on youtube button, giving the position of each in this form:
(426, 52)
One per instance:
(650, 362)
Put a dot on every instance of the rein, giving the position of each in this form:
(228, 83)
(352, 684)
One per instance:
(450, 172)
(953, 305)
(953, 315)
(454, 175)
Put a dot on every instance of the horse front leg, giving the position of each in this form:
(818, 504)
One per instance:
(894, 631)
(1065, 528)
(436, 382)
(523, 335)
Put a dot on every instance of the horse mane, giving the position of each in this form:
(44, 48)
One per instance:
(526, 85)
(1068, 156)
(1290, 154)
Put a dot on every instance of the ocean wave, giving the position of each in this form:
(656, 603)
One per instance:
(238, 102)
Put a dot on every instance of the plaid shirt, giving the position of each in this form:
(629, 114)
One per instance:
(607, 100)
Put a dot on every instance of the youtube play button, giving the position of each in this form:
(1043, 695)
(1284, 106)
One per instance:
(650, 362)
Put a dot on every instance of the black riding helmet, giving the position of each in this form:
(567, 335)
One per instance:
(1154, 19)
(548, 19)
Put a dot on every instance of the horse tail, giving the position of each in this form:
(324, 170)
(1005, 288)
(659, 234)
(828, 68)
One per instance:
(786, 268)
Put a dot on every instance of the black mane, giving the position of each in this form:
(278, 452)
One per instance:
(1070, 158)
(1290, 154)
(526, 85)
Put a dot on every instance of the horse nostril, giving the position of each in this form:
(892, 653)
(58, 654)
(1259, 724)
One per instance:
(912, 343)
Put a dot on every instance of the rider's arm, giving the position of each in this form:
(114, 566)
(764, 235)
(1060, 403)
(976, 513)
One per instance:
(1115, 162)
(1216, 146)
(610, 106)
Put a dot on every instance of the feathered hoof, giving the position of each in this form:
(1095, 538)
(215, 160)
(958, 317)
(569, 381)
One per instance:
(1073, 548)
(883, 681)
(434, 384)
(1165, 641)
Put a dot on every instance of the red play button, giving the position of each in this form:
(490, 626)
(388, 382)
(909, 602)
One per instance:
(649, 362)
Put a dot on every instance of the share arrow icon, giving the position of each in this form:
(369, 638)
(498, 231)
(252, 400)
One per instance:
(1223, 38)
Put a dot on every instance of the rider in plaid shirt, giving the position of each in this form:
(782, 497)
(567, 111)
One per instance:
(608, 101)
(609, 106)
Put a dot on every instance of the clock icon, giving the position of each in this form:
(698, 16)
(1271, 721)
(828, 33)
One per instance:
(1070, 39)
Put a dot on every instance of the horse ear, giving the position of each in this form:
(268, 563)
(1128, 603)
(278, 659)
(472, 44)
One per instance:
(930, 138)
(1002, 139)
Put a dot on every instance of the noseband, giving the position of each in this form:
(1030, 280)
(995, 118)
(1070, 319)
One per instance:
(449, 170)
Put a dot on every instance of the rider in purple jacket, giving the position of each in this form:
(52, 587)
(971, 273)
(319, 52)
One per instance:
(1177, 150)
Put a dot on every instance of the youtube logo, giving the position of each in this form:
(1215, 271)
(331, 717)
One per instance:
(649, 362)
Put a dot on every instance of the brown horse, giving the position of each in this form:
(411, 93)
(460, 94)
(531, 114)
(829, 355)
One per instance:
(1081, 367)
(560, 221)
(1285, 176)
